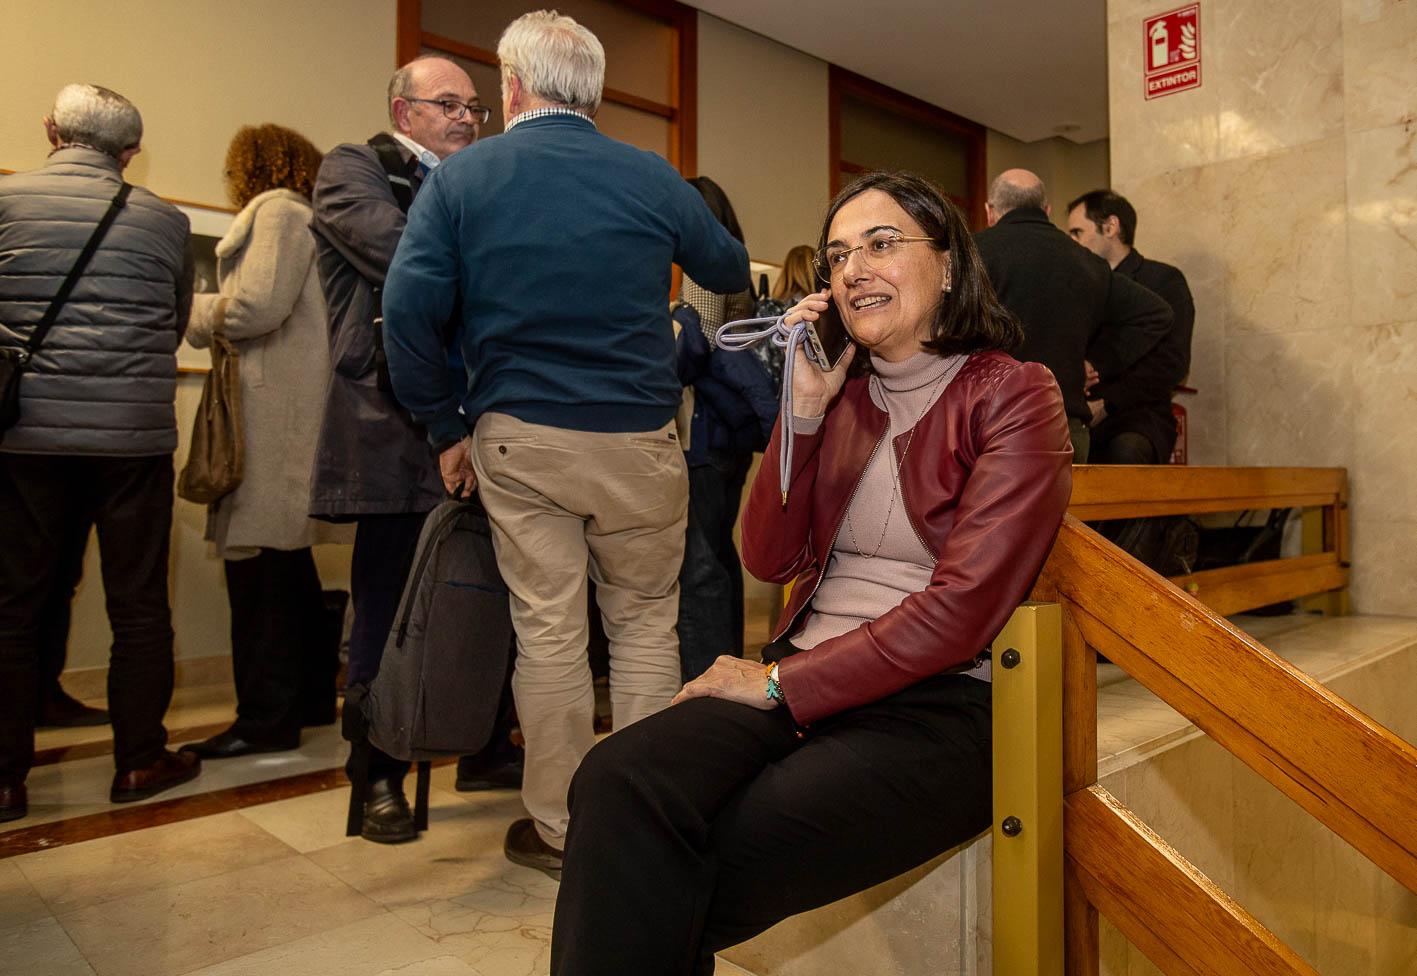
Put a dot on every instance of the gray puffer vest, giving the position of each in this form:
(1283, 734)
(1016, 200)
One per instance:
(105, 379)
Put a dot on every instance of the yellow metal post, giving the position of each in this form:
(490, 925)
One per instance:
(1316, 528)
(1028, 793)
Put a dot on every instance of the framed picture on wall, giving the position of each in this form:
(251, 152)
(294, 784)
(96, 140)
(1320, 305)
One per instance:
(209, 225)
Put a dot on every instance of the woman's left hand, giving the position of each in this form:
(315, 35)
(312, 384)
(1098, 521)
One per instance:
(731, 678)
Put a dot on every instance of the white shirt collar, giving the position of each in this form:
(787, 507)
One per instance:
(424, 156)
(545, 110)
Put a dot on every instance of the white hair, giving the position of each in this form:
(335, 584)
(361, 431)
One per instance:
(555, 58)
(96, 117)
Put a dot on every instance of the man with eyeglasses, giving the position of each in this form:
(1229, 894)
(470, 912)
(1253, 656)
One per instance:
(373, 465)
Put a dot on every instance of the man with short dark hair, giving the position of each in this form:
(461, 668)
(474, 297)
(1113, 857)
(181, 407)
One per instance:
(1133, 421)
(555, 245)
(1078, 317)
(96, 431)
(373, 465)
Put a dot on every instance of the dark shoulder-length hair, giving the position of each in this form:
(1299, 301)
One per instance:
(969, 317)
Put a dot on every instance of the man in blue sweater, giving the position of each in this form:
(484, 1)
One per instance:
(555, 243)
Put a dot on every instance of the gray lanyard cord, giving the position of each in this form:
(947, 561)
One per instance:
(789, 338)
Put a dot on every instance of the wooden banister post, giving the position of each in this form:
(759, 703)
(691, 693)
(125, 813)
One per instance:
(1028, 794)
(1080, 924)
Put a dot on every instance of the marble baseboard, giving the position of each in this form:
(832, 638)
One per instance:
(88, 684)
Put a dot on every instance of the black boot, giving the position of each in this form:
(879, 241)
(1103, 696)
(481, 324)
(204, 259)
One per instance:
(387, 817)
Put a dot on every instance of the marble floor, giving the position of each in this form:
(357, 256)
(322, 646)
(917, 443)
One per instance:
(246, 870)
(206, 879)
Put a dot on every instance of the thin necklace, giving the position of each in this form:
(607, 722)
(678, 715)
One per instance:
(895, 470)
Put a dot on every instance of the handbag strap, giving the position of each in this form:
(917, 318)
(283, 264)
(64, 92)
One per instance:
(51, 313)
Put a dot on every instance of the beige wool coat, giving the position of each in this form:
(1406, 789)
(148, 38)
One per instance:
(275, 316)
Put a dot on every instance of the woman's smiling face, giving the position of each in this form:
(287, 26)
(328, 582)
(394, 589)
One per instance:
(887, 310)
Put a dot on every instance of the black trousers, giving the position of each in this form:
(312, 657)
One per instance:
(280, 643)
(1124, 447)
(712, 821)
(54, 620)
(711, 580)
(130, 501)
(384, 546)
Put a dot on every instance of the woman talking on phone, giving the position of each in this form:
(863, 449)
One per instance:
(929, 475)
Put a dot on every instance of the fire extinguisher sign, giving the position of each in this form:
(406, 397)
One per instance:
(1171, 46)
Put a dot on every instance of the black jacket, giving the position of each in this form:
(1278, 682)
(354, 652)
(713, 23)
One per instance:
(735, 400)
(1140, 399)
(1072, 307)
(372, 458)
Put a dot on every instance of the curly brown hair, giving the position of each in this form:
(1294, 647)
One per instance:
(269, 157)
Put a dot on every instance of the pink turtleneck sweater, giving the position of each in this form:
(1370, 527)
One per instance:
(878, 559)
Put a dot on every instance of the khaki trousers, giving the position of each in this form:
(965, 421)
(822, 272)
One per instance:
(565, 504)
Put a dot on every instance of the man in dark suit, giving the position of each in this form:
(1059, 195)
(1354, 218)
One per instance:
(1078, 317)
(1133, 422)
(373, 466)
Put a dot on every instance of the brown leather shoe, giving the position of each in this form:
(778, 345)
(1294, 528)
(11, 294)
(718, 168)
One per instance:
(173, 769)
(14, 803)
(524, 846)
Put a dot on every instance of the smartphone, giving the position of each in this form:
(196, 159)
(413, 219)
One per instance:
(828, 337)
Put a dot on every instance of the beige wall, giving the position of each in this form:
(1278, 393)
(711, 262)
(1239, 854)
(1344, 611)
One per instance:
(1286, 188)
(1068, 169)
(197, 70)
(763, 135)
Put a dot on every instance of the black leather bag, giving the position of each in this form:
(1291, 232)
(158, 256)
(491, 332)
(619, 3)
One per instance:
(14, 359)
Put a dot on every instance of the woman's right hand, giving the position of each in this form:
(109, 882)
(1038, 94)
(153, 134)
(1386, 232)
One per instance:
(813, 388)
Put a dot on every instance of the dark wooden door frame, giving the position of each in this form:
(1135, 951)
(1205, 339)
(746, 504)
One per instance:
(842, 82)
(682, 114)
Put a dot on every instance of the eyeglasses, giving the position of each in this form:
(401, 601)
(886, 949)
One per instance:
(878, 252)
(454, 110)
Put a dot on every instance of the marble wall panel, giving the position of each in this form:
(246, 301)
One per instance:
(1384, 577)
(1380, 46)
(1179, 223)
(1274, 849)
(1164, 134)
(1283, 240)
(1384, 472)
(1278, 70)
(1290, 399)
(1395, 947)
(1382, 222)
(910, 924)
(1186, 795)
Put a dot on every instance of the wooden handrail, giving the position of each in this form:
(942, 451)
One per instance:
(1298, 735)
(1102, 491)
(1140, 491)
(1158, 899)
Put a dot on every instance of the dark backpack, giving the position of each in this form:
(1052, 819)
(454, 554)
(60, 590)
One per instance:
(767, 307)
(439, 688)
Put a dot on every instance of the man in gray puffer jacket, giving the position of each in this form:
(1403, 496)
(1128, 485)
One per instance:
(97, 429)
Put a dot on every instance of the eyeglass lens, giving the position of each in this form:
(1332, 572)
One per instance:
(456, 110)
(878, 252)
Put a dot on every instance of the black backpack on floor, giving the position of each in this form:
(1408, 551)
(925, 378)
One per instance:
(440, 685)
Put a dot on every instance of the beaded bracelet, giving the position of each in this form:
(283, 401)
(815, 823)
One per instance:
(774, 692)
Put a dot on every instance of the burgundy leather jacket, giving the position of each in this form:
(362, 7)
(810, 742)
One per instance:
(985, 488)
